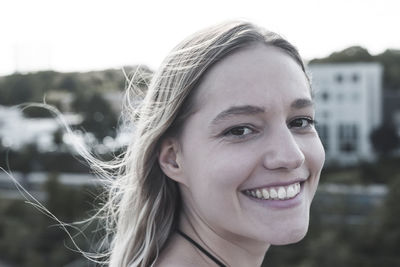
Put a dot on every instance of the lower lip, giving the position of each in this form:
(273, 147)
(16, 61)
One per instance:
(281, 204)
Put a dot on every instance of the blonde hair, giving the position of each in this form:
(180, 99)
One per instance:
(144, 204)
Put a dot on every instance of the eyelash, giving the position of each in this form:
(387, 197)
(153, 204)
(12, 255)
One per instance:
(310, 122)
(229, 133)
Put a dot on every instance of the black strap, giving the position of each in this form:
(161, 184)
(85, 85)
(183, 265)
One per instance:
(208, 254)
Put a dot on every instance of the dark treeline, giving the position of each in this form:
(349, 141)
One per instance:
(30, 159)
(19, 88)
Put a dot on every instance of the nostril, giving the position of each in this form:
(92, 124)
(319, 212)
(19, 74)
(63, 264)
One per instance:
(283, 163)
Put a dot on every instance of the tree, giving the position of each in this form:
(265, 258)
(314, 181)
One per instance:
(390, 59)
(69, 83)
(16, 89)
(58, 138)
(351, 54)
(98, 117)
(36, 112)
(385, 139)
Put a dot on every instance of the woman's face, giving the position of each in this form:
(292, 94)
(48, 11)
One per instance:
(250, 155)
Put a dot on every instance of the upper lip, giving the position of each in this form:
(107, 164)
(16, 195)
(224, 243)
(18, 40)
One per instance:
(278, 183)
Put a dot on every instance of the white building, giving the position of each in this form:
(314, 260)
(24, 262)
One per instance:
(17, 131)
(348, 99)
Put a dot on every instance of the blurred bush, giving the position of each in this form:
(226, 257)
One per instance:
(30, 238)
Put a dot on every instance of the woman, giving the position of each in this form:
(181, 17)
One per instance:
(225, 159)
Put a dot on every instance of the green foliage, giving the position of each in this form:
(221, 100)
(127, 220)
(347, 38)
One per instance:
(351, 54)
(69, 83)
(383, 171)
(62, 201)
(342, 176)
(385, 140)
(371, 173)
(98, 117)
(20, 88)
(29, 159)
(29, 238)
(58, 138)
(35, 112)
(33, 87)
(390, 59)
(390, 228)
(15, 89)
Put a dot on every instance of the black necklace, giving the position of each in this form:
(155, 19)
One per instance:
(208, 254)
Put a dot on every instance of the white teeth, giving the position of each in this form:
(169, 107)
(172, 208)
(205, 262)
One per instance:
(278, 193)
(281, 193)
(273, 193)
(265, 193)
(291, 191)
(258, 193)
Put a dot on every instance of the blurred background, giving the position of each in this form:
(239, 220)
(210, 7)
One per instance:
(71, 54)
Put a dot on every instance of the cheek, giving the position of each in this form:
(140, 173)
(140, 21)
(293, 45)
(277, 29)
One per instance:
(314, 153)
(314, 159)
(223, 167)
(233, 157)
(317, 155)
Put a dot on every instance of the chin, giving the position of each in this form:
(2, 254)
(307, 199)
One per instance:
(293, 238)
(290, 236)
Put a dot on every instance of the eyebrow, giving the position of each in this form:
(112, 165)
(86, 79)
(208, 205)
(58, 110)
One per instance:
(237, 110)
(253, 110)
(302, 103)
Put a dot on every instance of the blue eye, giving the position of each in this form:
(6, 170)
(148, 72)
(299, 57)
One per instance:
(301, 123)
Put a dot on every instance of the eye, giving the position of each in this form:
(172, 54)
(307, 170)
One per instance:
(301, 123)
(239, 131)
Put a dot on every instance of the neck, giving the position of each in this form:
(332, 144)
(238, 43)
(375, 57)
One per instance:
(231, 249)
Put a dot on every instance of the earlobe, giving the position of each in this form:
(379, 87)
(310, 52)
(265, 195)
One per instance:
(168, 159)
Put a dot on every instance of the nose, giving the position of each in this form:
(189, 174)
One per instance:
(283, 151)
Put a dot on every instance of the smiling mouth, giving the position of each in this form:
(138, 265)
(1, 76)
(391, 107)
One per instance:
(275, 193)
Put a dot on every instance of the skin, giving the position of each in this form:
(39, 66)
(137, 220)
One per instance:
(270, 140)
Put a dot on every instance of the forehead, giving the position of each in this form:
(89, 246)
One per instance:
(256, 74)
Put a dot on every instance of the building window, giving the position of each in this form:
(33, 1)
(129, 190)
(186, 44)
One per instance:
(339, 78)
(355, 78)
(348, 136)
(323, 132)
(325, 96)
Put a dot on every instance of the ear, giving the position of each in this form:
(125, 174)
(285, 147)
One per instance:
(168, 158)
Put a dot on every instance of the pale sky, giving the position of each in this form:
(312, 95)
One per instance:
(83, 35)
